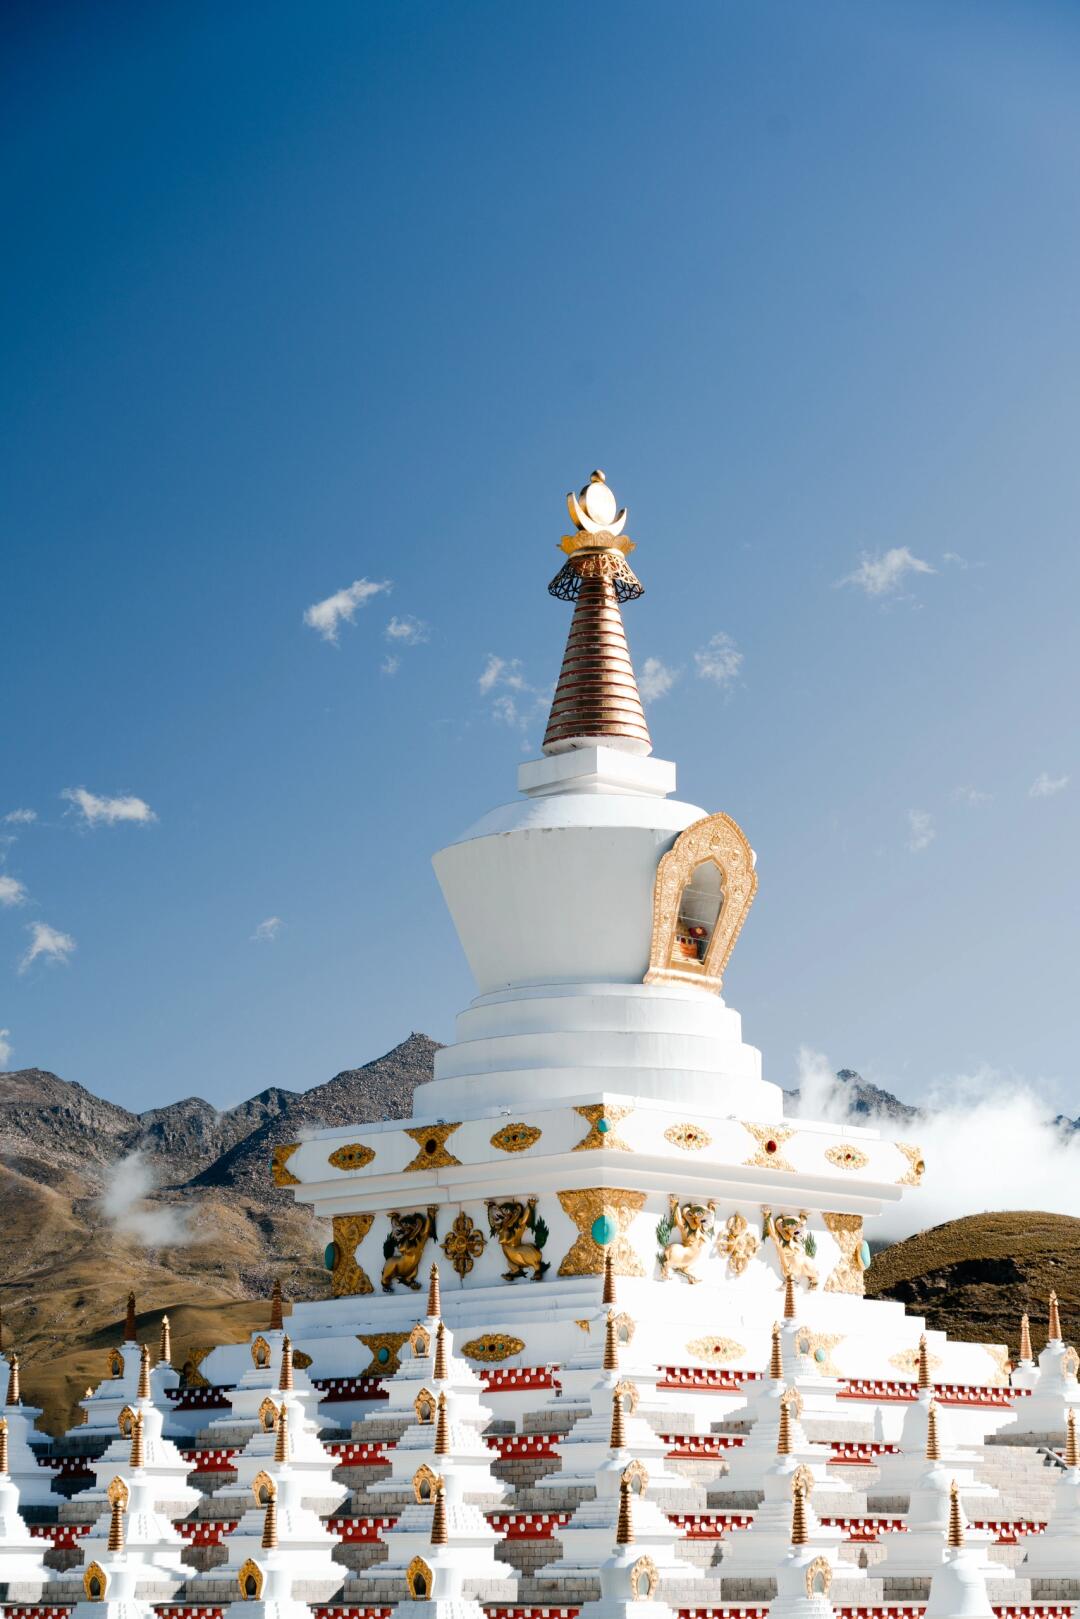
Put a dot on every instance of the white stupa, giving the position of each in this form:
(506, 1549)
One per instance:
(629, 1575)
(434, 1583)
(958, 1588)
(430, 1345)
(164, 1468)
(265, 1585)
(472, 1478)
(1055, 1389)
(111, 1581)
(22, 1565)
(804, 1575)
(102, 1405)
(899, 1473)
(1055, 1554)
(309, 1459)
(935, 1498)
(1025, 1372)
(151, 1543)
(253, 1392)
(32, 1481)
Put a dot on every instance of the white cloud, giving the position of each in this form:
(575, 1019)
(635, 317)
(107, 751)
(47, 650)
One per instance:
(1045, 785)
(327, 616)
(970, 795)
(514, 700)
(390, 664)
(719, 660)
(408, 631)
(656, 679)
(5, 1046)
(12, 891)
(882, 574)
(502, 672)
(921, 833)
(130, 1180)
(47, 944)
(20, 817)
(268, 930)
(97, 811)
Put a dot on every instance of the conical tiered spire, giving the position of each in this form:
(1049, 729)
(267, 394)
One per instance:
(956, 1518)
(285, 1381)
(776, 1358)
(800, 1529)
(14, 1397)
(270, 1528)
(1072, 1447)
(440, 1370)
(608, 1296)
(129, 1322)
(1054, 1329)
(3, 1445)
(143, 1391)
(281, 1437)
(597, 699)
(611, 1344)
(789, 1298)
(924, 1363)
(434, 1295)
(118, 1500)
(1025, 1338)
(933, 1443)
(624, 1530)
(165, 1343)
(440, 1528)
(276, 1318)
(138, 1448)
(618, 1426)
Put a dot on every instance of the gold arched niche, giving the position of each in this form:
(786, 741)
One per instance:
(715, 851)
(250, 1581)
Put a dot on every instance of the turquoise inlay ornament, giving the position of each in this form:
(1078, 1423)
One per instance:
(603, 1127)
(865, 1255)
(330, 1255)
(382, 1354)
(605, 1228)
(819, 1356)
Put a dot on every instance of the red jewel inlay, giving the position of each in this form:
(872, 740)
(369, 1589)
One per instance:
(770, 1146)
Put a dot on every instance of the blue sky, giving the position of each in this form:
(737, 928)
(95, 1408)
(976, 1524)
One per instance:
(300, 296)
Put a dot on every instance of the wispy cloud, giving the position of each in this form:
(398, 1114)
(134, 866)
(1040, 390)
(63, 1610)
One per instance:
(502, 672)
(6, 1047)
(514, 700)
(328, 616)
(12, 892)
(46, 944)
(972, 796)
(884, 573)
(268, 930)
(124, 1203)
(97, 811)
(1045, 785)
(408, 631)
(921, 832)
(390, 664)
(719, 661)
(656, 679)
(20, 817)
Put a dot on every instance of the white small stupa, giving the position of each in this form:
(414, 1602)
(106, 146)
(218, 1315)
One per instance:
(916, 1550)
(268, 1578)
(151, 1542)
(1055, 1389)
(1055, 1554)
(958, 1588)
(743, 1464)
(33, 1482)
(103, 1404)
(629, 1577)
(165, 1469)
(584, 1373)
(109, 1583)
(900, 1472)
(417, 1370)
(791, 1356)
(22, 1563)
(309, 1458)
(804, 1575)
(777, 1446)
(1025, 1373)
(473, 1479)
(248, 1399)
(435, 1582)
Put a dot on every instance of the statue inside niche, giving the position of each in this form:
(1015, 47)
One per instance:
(404, 1247)
(683, 1237)
(796, 1245)
(521, 1234)
(700, 904)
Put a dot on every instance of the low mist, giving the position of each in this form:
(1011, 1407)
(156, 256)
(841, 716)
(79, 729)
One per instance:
(125, 1204)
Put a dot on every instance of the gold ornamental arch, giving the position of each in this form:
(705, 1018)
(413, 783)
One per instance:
(715, 842)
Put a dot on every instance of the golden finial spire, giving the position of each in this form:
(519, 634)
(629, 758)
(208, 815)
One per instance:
(277, 1320)
(597, 698)
(129, 1324)
(269, 1534)
(440, 1528)
(1072, 1448)
(1, 1332)
(956, 1517)
(442, 1428)
(611, 1344)
(924, 1363)
(165, 1343)
(439, 1370)
(933, 1443)
(3, 1445)
(285, 1381)
(783, 1432)
(14, 1395)
(117, 1503)
(143, 1391)
(137, 1458)
(624, 1529)
(1025, 1338)
(434, 1293)
(789, 1298)
(608, 1295)
(800, 1529)
(618, 1427)
(1054, 1332)
(776, 1359)
(281, 1434)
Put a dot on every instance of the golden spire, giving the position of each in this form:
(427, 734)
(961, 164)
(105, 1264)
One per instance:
(118, 1501)
(1025, 1338)
(800, 1529)
(281, 1436)
(277, 1320)
(597, 698)
(4, 1445)
(789, 1298)
(14, 1396)
(129, 1324)
(439, 1371)
(285, 1381)
(442, 1428)
(776, 1359)
(269, 1534)
(611, 1344)
(933, 1443)
(440, 1528)
(1054, 1332)
(1, 1332)
(624, 1529)
(434, 1294)
(143, 1391)
(956, 1517)
(924, 1363)
(618, 1427)
(165, 1343)
(138, 1457)
(783, 1433)
(1072, 1448)
(608, 1295)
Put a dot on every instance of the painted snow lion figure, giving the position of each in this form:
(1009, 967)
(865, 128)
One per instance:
(521, 1234)
(795, 1244)
(404, 1247)
(684, 1235)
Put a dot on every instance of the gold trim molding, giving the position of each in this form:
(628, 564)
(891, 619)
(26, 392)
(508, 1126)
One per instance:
(492, 1347)
(374, 1341)
(431, 1139)
(845, 1156)
(280, 1173)
(690, 1137)
(847, 1275)
(719, 839)
(916, 1164)
(586, 1257)
(347, 1277)
(355, 1155)
(516, 1137)
(763, 1134)
(714, 1350)
(597, 1113)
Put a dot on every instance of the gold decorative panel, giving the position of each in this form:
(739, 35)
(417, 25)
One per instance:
(250, 1581)
(818, 1578)
(715, 1350)
(516, 1137)
(636, 1475)
(771, 1140)
(644, 1580)
(300, 1361)
(261, 1352)
(603, 1124)
(690, 1137)
(586, 1257)
(347, 1277)
(192, 1377)
(418, 1580)
(425, 1483)
(715, 840)
(847, 1276)
(353, 1156)
(463, 1244)
(818, 1347)
(492, 1346)
(380, 1364)
(1000, 1357)
(908, 1361)
(845, 1156)
(95, 1583)
(916, 1164)
(280, 1173)
(433, 1152)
